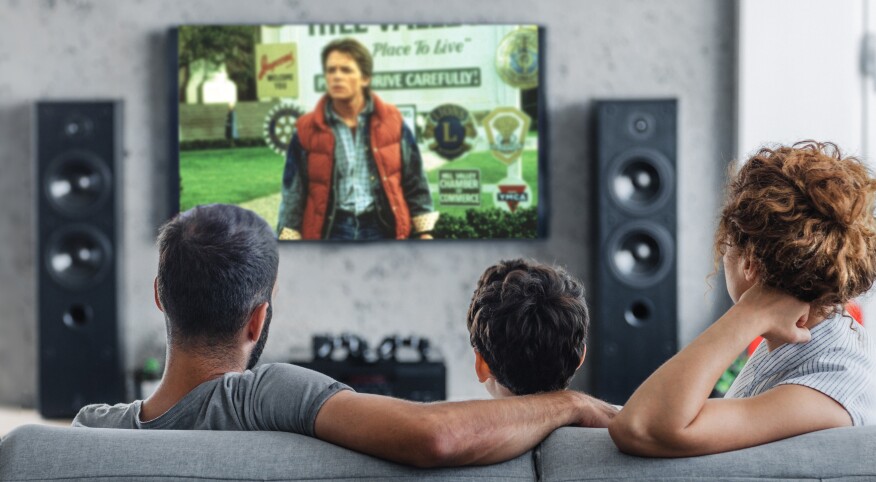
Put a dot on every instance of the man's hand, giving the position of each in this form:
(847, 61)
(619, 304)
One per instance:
(781, 317)
(594, 412)
(426, 236)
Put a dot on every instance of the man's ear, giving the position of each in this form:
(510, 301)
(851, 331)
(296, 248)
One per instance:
(155, 293)
(256, 323)
(583, 355)
(481, 368)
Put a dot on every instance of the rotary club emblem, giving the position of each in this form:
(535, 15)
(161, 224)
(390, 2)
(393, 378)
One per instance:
(280, 125)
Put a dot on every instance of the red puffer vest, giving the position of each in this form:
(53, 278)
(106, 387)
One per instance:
(317, 138)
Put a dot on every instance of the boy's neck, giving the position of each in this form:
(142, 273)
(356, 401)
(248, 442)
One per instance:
(496, 389)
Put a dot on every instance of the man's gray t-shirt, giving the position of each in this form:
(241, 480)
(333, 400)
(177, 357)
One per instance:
(275, 397)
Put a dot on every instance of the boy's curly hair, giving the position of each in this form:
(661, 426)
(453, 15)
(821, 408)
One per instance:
(529, 322)
(805, 215)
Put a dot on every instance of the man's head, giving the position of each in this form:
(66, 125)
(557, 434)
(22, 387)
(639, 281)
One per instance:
(528, 324)
(348, 67)
(216, 269)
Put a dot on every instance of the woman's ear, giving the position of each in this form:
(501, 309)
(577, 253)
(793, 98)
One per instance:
(750, 268)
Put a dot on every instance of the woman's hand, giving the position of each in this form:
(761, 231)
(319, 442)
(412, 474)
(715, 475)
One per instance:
(780, 316)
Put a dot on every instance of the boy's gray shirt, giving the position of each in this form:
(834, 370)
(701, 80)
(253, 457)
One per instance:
(273, 397)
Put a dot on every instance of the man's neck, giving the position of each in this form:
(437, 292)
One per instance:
(349, 110)
(183, 373)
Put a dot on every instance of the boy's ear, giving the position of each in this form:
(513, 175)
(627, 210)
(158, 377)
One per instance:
(583, 355)
(481, 368)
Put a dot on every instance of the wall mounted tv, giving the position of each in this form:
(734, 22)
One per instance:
(399, 132)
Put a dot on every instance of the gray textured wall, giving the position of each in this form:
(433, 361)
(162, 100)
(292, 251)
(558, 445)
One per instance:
(83, 49)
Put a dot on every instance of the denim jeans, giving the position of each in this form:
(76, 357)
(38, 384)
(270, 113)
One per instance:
(364, 227)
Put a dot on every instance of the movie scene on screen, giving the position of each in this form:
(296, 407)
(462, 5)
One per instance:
(404, 131)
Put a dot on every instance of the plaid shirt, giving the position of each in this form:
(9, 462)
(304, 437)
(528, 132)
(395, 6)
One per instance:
(353, 161)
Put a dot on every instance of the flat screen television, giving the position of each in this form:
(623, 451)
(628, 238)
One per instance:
(449, 141)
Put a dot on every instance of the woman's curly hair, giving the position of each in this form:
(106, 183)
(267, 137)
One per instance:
(805, 215)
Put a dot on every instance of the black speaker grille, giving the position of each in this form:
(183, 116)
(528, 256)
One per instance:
(635, 276)
(79, 150)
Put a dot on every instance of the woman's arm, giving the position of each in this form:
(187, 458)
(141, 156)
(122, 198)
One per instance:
(670, 414)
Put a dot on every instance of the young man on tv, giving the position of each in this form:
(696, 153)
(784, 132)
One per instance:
(217, 270)
(527, 324)
(353, 169)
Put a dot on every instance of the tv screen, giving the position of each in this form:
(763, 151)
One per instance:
(363, 132)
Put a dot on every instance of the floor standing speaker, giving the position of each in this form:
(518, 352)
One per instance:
(78, 206)
(635, 279)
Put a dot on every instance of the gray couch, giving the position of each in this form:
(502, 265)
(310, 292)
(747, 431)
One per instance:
(35, 452)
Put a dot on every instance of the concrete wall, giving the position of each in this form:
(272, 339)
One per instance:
(84, 49)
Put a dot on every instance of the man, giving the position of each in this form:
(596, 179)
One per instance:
(216, 271)
(353, 169)
(527, 324)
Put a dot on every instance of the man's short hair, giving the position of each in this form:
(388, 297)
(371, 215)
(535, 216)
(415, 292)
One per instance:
(216, 264)
(529, 322)
(355, 49)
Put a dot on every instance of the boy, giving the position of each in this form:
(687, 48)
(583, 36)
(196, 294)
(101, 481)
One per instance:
(527, 323)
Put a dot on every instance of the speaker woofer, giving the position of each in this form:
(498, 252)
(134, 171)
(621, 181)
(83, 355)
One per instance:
(77, 182)
(640, 181)
(78, 256)
(640, 253)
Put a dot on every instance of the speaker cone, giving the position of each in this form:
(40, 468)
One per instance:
(78, 256)
(640, 181)
(77, 182)
(640, 253)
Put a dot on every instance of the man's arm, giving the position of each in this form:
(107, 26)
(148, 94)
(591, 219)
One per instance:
(293, 191)
(670, 414)
(453, 433)
(415, 185)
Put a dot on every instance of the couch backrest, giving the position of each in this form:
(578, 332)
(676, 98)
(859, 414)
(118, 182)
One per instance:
(581, 454)
(34, 452)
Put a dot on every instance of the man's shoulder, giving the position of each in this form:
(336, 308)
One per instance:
(122, 415)
(286, 371)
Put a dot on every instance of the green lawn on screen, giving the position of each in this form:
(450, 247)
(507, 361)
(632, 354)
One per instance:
(251, 177)
(246, 176)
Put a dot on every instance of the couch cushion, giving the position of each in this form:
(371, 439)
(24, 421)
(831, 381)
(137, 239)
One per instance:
(34, 452)
(841, 454)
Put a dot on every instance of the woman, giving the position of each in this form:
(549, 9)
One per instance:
(797, 237)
